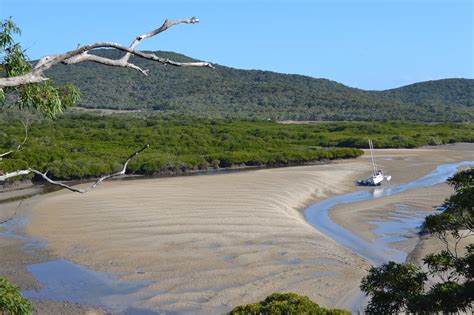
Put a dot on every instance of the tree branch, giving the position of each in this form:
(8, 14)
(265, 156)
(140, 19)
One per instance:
(460, 237)
(81, 54)
(78, 190)
(166, 25)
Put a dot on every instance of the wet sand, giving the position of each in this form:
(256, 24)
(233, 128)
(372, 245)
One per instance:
(358, 216)
(209, 243)
(13, 263)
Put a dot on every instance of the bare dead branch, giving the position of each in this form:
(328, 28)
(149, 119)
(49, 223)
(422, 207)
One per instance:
(81, 54)
(166, 25)
(20, 146)
(78, 190)
(85, 56)
(17, 173)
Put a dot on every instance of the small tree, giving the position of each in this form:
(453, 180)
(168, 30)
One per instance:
(397, 287)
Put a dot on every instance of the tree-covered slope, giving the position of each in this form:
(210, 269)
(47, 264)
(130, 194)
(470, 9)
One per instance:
(450, 92)
(232, 92)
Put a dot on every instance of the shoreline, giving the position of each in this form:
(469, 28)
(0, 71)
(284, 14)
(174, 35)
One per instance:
(15, 188)
(27, 183)
(263, 240)
(28, 188)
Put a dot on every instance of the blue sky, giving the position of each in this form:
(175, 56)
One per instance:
(369, 44)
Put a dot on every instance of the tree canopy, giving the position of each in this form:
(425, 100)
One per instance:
(285, 304)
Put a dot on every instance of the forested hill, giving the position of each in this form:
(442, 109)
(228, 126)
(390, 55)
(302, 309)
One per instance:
(232, 92)
(451, 92)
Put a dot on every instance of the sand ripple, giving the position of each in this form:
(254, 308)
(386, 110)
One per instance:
(207, 243)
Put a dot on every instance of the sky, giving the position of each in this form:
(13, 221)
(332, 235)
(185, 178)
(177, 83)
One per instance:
(368, 44)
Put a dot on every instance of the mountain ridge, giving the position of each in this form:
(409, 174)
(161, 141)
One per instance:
(231, 92)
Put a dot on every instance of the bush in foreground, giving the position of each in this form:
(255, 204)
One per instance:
(285, 304)
(11, 301)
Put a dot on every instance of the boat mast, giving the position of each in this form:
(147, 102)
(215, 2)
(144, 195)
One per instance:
(374, 165)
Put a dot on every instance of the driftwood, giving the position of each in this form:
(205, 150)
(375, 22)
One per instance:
(78, 190)
(81, 54)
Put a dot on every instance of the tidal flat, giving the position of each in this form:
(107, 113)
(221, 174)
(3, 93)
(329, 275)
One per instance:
(205, 244)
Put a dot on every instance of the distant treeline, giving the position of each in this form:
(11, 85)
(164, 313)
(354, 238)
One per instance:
(86, 145)
(227, 92)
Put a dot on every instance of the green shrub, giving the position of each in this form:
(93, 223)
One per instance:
(11, 301)
(285, 304)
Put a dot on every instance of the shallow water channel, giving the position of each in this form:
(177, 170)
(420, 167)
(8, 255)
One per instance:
(387, 232)
(403, 223)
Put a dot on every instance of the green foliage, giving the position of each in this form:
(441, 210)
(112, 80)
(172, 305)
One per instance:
(439, 92)
(227, 92)
(48, 99)
(458, 211)
(79, 145)
(393, 287)
(7, 29)
(13, 61)
(400, 287)
(285, 304)
(11, 301)
(462, 181)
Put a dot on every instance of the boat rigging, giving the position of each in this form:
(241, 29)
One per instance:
(377, 174)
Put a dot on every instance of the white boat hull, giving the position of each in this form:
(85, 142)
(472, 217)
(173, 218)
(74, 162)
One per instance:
(377, 176)
(372, 180)
(377, 179)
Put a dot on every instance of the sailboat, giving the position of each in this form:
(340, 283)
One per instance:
(377, 174)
